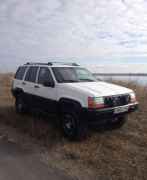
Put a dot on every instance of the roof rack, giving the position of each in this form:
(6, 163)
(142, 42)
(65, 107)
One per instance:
(35, 63)
(63, 63)
(51, 63)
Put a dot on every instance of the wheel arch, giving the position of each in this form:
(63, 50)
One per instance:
(17, 91)
(67, 104)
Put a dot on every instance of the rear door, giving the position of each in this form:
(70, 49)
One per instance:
(46, 96)
(18, 82)
(29, 85)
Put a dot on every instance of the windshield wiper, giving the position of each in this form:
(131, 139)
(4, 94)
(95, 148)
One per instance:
(91, 80)
(70, 80)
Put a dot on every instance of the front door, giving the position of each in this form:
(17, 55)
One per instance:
(45, 96)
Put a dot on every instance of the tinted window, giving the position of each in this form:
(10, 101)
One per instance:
(31, 74)
(44, 75)
(20, 72)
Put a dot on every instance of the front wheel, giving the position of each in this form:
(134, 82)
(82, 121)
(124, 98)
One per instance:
(73, 127)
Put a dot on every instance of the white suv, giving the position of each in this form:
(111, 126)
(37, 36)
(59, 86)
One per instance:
(73, 93)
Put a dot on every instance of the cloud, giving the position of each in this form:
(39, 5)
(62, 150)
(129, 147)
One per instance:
(78, 28)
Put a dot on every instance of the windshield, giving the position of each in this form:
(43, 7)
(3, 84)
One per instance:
(73, 74)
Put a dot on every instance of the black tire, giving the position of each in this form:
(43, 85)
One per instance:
(20, 106)
(118, 122)
(73, 127)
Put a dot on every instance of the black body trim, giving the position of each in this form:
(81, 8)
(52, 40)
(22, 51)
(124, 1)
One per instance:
(101, 116)
(48, 105)
(17, 91)
(97, 116)
(37, 102)
(67, 105)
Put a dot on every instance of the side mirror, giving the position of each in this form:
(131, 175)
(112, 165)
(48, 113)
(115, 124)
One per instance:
(49, 84)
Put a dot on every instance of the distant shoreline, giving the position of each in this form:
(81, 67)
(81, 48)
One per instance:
(120, 74)
(99, 74)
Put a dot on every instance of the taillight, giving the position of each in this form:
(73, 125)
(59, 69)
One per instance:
(12, 84)
(133, 97)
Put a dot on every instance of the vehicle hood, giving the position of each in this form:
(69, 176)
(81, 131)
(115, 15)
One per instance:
(100, 88)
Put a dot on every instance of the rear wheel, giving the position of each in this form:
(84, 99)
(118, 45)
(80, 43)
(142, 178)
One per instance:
(20, 106)
(73, 127)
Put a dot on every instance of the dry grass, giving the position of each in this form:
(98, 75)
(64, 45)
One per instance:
(119, 154)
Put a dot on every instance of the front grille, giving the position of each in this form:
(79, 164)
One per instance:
(120, 100)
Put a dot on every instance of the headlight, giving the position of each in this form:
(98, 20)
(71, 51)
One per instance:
(133, 97)
(96, 102)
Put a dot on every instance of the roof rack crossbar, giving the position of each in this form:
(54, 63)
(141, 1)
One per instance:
(51, 63)
(31, 63)
(64, 63)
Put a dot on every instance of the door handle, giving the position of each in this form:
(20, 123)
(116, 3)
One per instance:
(36, 86)
(23, 83)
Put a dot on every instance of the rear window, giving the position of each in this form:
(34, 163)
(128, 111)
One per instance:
(31, 74)
(20, 72)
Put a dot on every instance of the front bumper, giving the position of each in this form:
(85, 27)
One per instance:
(103, 115)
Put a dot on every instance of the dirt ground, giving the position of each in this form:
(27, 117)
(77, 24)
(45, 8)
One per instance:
(119, 154)
(17, 163)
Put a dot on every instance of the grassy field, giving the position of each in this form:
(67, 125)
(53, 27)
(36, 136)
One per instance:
(106, 154)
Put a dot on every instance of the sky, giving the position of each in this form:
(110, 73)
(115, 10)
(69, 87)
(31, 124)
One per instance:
(87, 31)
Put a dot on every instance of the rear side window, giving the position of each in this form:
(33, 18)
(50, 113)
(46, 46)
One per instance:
(44, 75)
(31, 74)
(20, 72)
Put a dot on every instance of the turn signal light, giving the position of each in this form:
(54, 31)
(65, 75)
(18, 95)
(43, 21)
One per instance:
(96, 102)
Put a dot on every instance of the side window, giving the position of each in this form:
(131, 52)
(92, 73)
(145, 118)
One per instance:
(20, 72)
(44, 75)
(31, 74)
